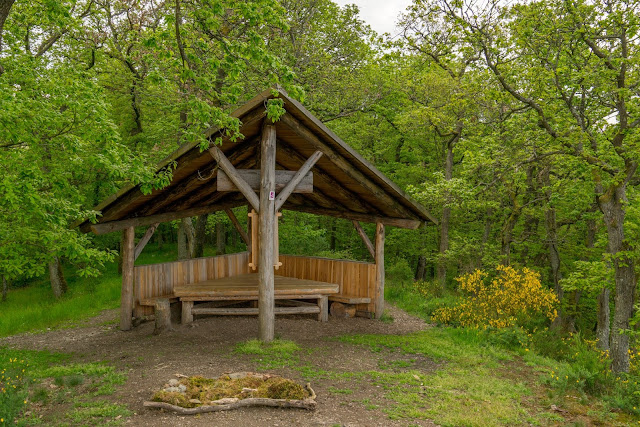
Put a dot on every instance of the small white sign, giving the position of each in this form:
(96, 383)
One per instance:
(272, 195)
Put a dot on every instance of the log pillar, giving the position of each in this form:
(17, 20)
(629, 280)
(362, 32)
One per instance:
(126, 296)
(266, 230)
(379, 301)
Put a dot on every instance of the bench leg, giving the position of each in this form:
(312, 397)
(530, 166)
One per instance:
(163, 316)
(323, 303)
(187, 316)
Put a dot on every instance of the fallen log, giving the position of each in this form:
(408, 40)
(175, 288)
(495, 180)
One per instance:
(234, 403)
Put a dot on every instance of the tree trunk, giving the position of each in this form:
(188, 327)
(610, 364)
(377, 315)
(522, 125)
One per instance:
(199, 236)
(612, 206)
(5, 288)
(552, 248)
(5, 8)
(220, 238)
(160, 237)
(185, 239)
(56, 276)
(421, 269)
(444, 222)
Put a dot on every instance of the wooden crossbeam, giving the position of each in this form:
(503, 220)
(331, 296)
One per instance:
(107, 227)
(239, 182)
(252, 177)
(365, 238)
(238, 227)
(145, 239)
(297, 178)
(395, 222)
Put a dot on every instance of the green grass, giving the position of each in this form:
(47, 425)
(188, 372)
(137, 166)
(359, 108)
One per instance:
(44, 377)
(33, 308)
(276, 354)
(463, 391)
(405, 297)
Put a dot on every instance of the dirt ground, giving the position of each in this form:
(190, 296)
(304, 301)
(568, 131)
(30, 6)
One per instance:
(206, 348)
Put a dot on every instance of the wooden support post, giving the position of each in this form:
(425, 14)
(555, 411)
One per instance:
(239, 182)
(266, 305)
(238, 227)
(323, 304)
(379, 301)
(304, 169)
(365, 239)
(126, 296)
(145, 239)
(187, 315)
(162, 316)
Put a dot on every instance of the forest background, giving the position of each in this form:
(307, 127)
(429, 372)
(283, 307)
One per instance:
(516, 124)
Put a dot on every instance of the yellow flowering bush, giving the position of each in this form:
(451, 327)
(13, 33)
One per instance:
(511, 298)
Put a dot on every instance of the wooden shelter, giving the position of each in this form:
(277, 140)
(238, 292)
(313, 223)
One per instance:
(295, 164)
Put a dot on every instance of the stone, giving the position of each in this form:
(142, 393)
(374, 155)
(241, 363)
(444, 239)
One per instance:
(173, 390)
(182, 388)
(174, 382)
(195, 401)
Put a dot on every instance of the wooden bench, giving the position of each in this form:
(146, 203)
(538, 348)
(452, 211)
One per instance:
(245, 288)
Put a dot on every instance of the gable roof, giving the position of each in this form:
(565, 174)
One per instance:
(345, 185)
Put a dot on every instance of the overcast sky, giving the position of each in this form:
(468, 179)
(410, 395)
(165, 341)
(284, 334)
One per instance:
(382, 15)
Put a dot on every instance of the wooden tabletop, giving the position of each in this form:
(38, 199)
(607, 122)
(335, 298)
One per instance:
(247, 285)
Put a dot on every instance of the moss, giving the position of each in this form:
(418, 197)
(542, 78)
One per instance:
(173, 398)
(282, 388)
(207, 389)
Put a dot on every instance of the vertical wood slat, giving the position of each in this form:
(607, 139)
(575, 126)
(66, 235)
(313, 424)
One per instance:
(354, 278)
(159, 279)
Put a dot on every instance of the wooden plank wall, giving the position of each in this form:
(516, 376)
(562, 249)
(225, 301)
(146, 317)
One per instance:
(159, 279)
(355, 278)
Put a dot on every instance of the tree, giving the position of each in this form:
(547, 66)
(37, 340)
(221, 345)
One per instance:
(579, 76)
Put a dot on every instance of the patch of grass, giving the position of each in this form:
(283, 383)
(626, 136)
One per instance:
(386, 317)
(406, 296)
(30, 371)
(276, 354)
(94, 412)
(464, 392)
(33, 308)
